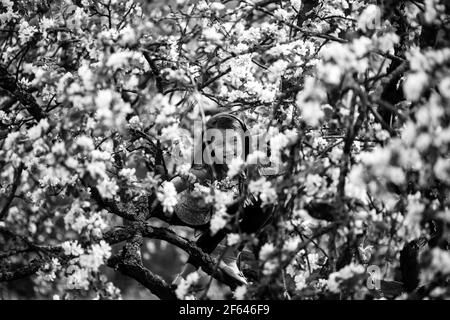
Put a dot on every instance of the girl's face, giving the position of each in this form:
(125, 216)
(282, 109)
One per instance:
(225, 144)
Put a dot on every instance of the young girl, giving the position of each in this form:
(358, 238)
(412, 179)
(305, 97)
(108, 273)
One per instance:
(213, 167)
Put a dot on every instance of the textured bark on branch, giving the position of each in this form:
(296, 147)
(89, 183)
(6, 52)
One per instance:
(22, 272)
(148, 279)
(200, 259)
(156, 72)
(9, 84)
(130, 264)
(16, 182)
(109, 205)
(15, 273)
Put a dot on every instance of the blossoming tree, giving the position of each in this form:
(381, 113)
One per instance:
(97, 100)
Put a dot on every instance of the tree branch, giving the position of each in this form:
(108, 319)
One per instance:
(16, 182)
(109, 205)
(9, 84)
(350, 137)
(199, 258)
(22, 272)
(156, 73)
(130, 264)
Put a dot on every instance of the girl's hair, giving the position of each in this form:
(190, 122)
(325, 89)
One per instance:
(224, 121)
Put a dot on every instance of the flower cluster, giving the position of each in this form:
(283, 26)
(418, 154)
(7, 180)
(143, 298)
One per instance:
(348, 101)
(168, 196)
(84, 263)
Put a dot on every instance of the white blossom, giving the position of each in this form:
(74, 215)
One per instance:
(127, 36)
(345, 273)
(184, 285)
(369, 18)
(444, 87)
(7, 13)
(266, 250)
(296, 4)
(414, 85)
(107, 188)
(36, 131)
(312, 113)
(235, 166)
(291, 244)
(72, 248)
(78, 278)
(300, 281)
(442, 169)
(26, 31)
(167, 194)
(85, 142)
(233, 238)
(239, 292)
(264, 189)
(96, 256)
(120, 59)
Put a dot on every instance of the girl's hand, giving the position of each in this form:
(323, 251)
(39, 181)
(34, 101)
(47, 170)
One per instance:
(196, 174)
(200, 174)
(250, 200)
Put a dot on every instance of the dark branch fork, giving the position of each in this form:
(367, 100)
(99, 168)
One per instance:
(9, 84)
(129, 261)
(16, 182)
